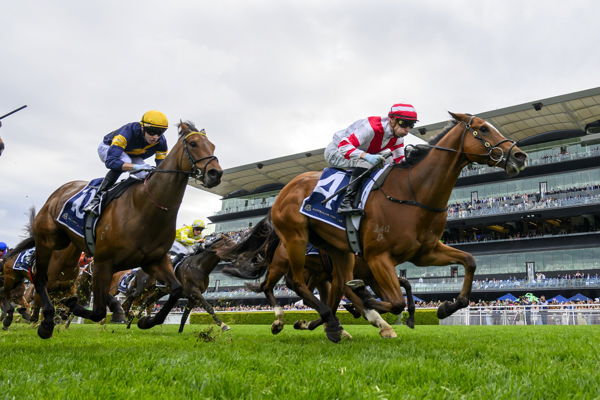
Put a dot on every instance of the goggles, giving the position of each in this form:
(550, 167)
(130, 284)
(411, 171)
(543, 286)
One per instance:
(153, 131)
(404, 123)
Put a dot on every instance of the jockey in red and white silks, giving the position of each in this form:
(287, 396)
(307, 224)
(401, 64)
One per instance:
(370, 135)
(360, 145)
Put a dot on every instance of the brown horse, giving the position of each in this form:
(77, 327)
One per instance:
(317, 274)
(193, 273)
(137, 228)
(404, 220)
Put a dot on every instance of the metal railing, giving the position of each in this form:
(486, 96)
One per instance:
(567, 314)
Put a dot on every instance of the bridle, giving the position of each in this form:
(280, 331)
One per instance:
(196, 172)
(495, 154)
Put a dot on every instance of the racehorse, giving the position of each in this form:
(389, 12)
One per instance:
(137, 228)
(404, 221)
(193, 272)
(317, 274)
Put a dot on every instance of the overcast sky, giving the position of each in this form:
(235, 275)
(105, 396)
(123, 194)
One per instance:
(264, 78)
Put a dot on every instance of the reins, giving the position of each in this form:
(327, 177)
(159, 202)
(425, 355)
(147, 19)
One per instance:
(496, 159)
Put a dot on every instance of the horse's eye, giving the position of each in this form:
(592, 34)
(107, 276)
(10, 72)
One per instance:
(193, 144)
(484, 129)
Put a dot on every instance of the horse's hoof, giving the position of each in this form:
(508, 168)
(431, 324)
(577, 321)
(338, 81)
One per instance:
(346, 335)
(442, 311)
(118, 319)
(45, 330)
(225, 328)
(300, 325)
(69, 302)
(145, 323)
(355, 284)
(276, 328)
(334, 335)
(388, 333)
(410, 322)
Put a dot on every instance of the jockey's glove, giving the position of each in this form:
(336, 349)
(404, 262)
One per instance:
(375, 159)
(142, 167)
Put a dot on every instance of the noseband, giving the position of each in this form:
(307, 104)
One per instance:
(495, 153)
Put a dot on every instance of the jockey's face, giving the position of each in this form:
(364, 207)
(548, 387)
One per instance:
(152, 135)
(399, 128)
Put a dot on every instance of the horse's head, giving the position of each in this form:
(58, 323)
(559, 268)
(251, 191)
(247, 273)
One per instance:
(200, 157)
(484, 144)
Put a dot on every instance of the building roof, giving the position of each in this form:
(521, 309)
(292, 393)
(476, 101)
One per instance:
(571, 112)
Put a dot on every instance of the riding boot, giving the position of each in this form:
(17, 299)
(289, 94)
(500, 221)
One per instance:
(349, 204)
(109, 180)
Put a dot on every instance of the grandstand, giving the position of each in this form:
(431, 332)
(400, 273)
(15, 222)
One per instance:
(538, 232)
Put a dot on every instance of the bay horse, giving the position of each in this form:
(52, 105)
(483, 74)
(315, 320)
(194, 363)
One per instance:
(138, 228)
(317, 274)
(404, 221)
(193, 272)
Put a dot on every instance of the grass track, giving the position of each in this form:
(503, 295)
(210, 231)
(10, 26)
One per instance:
(430, 362)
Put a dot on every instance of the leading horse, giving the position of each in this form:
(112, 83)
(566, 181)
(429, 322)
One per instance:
(138, 228)
(404, 221)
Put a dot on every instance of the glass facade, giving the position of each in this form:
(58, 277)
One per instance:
(554, 182)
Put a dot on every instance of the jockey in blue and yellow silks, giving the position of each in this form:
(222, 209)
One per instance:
(126, 149)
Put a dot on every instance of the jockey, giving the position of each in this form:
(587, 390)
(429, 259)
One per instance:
(126, 149)
(3, 249)
(187, 237)
(358, 147)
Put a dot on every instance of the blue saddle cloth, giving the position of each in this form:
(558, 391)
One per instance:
(24, 260)
(331, 181)
(125, 281)
(71, 215)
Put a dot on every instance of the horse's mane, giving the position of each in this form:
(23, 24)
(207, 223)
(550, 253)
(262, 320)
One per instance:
(186, 127)
(415, 153)
(27, 243)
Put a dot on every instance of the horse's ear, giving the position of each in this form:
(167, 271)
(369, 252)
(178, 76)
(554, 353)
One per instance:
(182, 127)
(454, 116)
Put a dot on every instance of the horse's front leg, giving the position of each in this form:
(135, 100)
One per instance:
(198, 298)
(162, 271)
(446, 255)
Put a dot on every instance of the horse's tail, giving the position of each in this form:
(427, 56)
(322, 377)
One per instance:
(28, 242)
(255, 253)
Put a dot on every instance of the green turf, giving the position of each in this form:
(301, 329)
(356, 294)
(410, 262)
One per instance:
(248, 362)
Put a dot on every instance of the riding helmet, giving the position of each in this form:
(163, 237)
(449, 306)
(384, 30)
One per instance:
(198, 223)
(155, 119)
(403, 111)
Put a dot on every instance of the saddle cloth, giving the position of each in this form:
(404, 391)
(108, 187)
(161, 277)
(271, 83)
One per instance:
(24, 260)
(71, 215)
(331, 180)
(126, 281)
